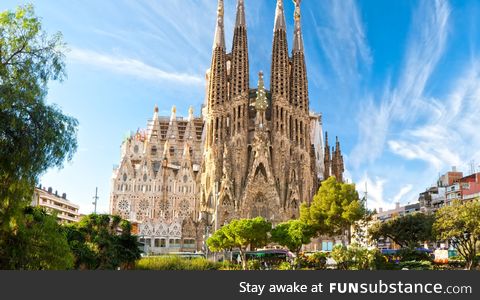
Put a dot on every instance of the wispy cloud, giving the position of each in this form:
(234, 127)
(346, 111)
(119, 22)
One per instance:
(401, 104)
(130, 66)
(448, 137)
(403, 192)
(341, 35)
(375, 188)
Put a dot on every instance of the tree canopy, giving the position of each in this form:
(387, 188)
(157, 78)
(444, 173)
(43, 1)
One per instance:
(103, 242)
(292, 234)
(459, 224)
(241, 234)
(34, 136)
(406, 231)
(39, 244)
(334, 208)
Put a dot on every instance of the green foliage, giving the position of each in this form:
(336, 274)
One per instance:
(103, 242)
(292, 234)
(254, 264)
(315, 261)
(411, 254)
(416, 265)
(407, 231)
(229, 266)
(175, 263)
(335, 207)
(241, 234)
(459, 223)
(39, 244)
(355, 257)
(33, 136)
(285, 266)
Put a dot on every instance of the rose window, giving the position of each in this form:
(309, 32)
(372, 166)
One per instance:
(143, 205)
(123, 205)
(164, 205)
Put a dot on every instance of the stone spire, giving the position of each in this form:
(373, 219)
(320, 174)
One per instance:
(326, 159)
(173, 115)
(298, 38)
(190, 114)
(298, 81)
(240, 21)
(217, 90)
(338, 161)
(240, 69)
(261, 103)
(155, 113)
(280, 23)
(219, 41)
(279, 73)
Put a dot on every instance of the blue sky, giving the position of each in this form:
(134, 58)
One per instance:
(397, 81)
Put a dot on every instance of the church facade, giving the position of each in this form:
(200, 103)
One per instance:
(253, 152)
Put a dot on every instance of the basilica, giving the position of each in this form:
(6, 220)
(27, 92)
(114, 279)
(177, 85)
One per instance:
(251, 152)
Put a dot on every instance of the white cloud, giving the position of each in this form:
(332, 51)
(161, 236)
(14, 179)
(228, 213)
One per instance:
(130, 66)
(342, 38)
(403, 192)
(403, 103)
(450, 136)
(375, 188)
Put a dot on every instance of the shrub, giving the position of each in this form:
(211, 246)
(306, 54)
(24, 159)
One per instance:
(316, 261)
(285, 266)
(354, 257)
(410, 254)
(229, 266)
(416, 265)
(254, 264)
(175, 263)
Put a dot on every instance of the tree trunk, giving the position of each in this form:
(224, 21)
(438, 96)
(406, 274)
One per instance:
(469, 265)
(244, 259)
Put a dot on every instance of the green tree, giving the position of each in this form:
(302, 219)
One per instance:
(334, 208)
(241, 234)
(103, 242)
(406, 231)
(40, 243)
(34, 136)
(292, 234)
(459, 224)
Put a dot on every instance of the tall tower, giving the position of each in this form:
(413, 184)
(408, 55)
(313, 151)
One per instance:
(216, 120)
(299, 123)
(239, 100)
(281, 112)
(337, 162)
(258, 157)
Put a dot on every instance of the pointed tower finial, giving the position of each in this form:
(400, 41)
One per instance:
(190, 113)
(261, 103)
(280, 23)
(186, 150)
(240, 22)
(166, 149)
(298, 39)
(155, 112)
(173, 116)
(219, 41)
